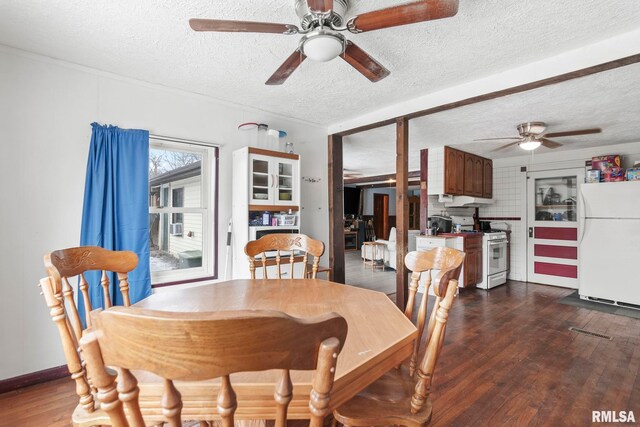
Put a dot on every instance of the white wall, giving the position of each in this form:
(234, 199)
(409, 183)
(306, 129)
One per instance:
(46, 107)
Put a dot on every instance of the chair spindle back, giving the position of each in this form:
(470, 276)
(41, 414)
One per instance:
(61, 265)
(449, 263)
(198, 347)
(297, 246)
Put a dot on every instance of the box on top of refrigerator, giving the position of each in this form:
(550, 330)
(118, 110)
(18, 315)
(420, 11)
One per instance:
(605, 162)
(613, 174)
(633, 174)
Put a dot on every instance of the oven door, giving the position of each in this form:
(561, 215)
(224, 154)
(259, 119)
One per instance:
(496, 256)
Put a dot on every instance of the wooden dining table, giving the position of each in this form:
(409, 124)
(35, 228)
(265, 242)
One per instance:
(379, 338)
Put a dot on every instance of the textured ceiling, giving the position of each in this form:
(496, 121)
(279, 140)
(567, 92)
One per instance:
(609, 100)
(152, 41)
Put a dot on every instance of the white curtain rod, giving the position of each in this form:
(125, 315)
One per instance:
(186, 141)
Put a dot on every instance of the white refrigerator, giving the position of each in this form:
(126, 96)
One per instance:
(609, 245)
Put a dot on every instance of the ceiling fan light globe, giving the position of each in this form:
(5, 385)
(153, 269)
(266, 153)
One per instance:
(323, 47)
(530, 145)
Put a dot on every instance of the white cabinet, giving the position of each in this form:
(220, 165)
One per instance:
(264, 183)
(273, 180)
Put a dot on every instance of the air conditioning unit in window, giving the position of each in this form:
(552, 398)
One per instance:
(175, 229)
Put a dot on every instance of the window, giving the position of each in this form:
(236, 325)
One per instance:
(182, 232)
(177, 201)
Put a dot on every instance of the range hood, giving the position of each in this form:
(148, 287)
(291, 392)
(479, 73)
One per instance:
(464, 201)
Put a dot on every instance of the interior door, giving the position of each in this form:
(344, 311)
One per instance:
(553, 226)
(381, 215)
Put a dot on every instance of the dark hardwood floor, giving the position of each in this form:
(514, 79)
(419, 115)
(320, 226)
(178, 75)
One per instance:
(508, 360)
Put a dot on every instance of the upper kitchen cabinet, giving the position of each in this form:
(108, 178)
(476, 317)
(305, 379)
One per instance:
(453, 171)
(457, 173)
(487, 179)
(473, 172)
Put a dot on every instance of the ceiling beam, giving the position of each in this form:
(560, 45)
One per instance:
(387, 185)
(379, 178)
(606, 66)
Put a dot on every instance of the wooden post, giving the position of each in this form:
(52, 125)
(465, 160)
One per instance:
(402, 210)
(336, 209)
(424, 198)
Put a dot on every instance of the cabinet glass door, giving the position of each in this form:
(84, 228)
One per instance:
(260, 180)
(285, 193)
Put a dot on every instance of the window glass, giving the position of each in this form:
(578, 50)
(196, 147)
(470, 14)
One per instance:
(180, 217)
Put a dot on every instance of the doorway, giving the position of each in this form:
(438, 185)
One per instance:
(381, 215)
(552, 226)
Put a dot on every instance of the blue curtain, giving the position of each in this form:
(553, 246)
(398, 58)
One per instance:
(115, 213)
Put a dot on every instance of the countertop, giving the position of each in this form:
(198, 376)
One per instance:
(452, 235)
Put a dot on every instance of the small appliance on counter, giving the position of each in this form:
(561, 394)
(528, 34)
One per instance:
(441, 223)
(462, 223)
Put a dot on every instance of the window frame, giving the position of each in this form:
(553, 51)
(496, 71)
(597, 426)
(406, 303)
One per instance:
(208, 209)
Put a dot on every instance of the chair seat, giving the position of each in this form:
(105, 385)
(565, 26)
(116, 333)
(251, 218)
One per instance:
(385, 402)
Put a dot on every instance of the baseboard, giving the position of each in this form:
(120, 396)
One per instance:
(33, 378)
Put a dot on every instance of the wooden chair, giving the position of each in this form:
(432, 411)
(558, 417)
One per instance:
(62, 265)
(298, 247)
(198, 347)
(401, 396)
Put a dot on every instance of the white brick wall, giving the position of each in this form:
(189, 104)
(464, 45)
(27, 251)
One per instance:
(510, 195)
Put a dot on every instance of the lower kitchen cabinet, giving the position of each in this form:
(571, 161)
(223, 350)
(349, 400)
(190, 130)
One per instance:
(473, 261)
(471, 245)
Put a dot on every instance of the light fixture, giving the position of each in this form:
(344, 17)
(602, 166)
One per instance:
(322, 45)
(529, 144)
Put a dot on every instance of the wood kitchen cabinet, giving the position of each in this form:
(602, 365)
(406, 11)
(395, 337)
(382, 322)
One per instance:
(478, 176)
(487, 179)
(466, 174)
(473, 175)
(473, 260)
(453, 171)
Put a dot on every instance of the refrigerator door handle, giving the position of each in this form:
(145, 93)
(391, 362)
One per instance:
(582, 223)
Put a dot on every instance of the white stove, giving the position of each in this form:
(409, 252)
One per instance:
(494, 253)
(494, 259)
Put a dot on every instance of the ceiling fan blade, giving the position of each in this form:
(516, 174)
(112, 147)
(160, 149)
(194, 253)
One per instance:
(239, 26)
(549, 143)
(496, 139)
(410, 13)
(366, 65)
(504, 147)
(573, 133)
(286, 69)
(320, 5)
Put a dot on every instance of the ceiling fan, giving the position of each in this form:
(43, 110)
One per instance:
(321, 24)
(533, 135)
